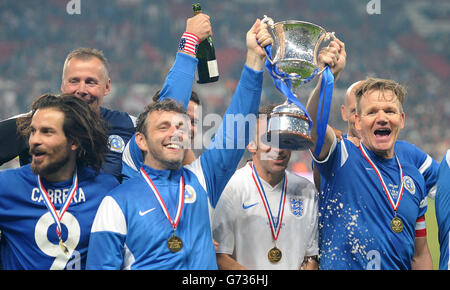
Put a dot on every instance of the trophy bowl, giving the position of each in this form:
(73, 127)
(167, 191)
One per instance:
(294, 52)
(295, 49)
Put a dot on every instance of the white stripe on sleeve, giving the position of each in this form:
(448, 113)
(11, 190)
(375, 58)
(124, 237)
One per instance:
(109, 217)
(426, 164)
(126, 157)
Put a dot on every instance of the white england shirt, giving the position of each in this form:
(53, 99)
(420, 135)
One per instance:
(242, 229)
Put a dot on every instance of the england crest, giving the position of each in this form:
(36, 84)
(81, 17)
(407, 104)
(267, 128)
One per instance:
(296, 206)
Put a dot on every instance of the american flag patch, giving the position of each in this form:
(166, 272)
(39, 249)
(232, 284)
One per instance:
(182, 44)
(189, 43)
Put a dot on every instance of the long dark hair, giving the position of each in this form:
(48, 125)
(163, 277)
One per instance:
(81, 125)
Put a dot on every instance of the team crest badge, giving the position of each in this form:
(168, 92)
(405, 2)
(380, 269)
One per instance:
(296, 206)
(409, 184)
(116, 143)
(189, 194)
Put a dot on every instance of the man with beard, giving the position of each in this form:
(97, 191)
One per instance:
(160, 219)
(85, 74)
(47, 207)
(266, 218)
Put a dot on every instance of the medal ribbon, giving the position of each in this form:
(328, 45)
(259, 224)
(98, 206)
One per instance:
(394, 205)
(174, 222)
(274, 227)
(51, 208)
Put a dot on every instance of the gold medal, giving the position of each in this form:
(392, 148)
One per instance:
(174, 244)
(274, 255)
(63, 247)
(397, 224)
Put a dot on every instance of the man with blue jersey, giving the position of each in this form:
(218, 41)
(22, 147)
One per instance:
(132, 155)
(85, 74)
(443, 211)
(160, 219)
(372, 220)
(427, 166)
(47, 207)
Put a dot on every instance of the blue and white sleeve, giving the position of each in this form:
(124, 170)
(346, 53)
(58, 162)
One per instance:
(427, 166)
(337, 156)
(107, 240)
(178, 83)
(222, 156)
(429, 170)
(131, 159)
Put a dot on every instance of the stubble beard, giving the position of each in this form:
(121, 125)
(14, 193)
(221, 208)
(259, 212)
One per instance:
(50, 168)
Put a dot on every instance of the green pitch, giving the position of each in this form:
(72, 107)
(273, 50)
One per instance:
(432, 233)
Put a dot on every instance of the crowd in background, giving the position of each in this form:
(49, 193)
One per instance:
(407, 42)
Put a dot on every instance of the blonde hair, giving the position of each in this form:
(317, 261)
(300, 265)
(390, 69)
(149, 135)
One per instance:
(379, 85)
(85, 53)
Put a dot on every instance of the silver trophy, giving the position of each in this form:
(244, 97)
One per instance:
(294, 52)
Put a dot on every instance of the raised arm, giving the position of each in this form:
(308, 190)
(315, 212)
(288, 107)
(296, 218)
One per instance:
(220, 160)
(335, 56)
(178, 83)
(177, 86)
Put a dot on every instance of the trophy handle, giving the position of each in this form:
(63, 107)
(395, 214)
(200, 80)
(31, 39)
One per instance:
(325, 37)
(267, 20)
(270, 23)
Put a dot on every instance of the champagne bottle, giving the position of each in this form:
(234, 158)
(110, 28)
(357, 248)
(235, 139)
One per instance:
(207, 69)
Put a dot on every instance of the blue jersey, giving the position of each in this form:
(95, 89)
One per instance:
(131, 159)
(427, 166)
(130, 229)
(178, 86)
(355, 213)
(443, 211)
(29, 239)
(121, 127)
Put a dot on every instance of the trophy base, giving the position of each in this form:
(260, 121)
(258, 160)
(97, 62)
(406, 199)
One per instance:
(288, 128)
(288, 140)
